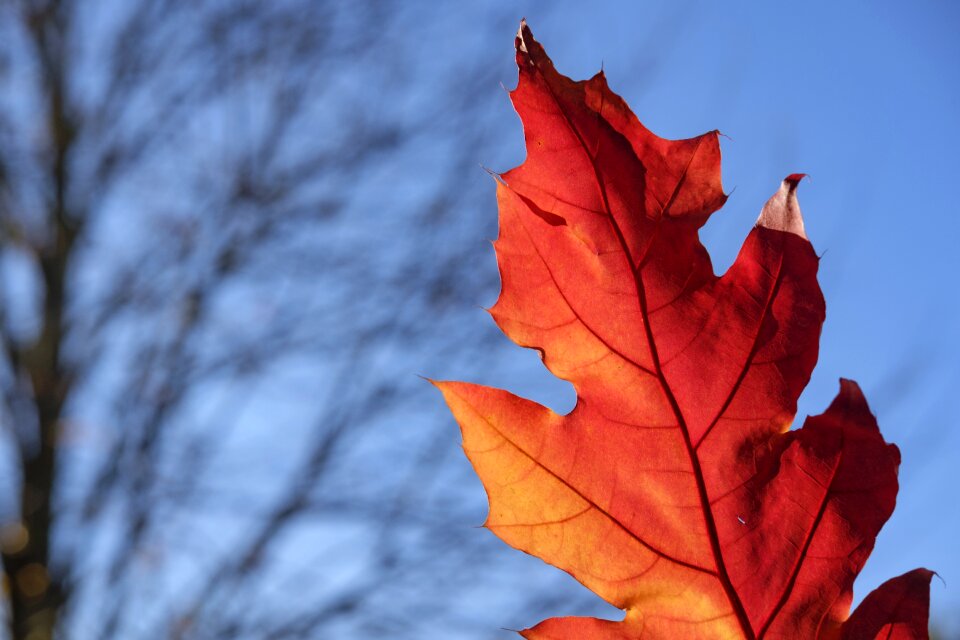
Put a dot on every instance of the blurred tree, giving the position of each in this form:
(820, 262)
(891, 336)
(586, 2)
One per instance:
(230, 231)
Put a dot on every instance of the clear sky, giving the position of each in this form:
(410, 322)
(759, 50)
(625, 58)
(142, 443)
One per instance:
(864, 97)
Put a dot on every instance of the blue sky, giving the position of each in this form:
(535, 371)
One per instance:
(864, 98)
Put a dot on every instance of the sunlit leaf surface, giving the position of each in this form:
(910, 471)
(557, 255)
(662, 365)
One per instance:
(674, 489)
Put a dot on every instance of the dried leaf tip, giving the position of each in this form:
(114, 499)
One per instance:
(519, 43)
(782, 211)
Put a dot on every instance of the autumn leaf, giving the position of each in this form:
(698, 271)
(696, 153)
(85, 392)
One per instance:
(674, 489)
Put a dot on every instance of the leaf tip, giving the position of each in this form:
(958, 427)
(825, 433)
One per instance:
(447, 388)
(529, 51)
(900, 607)
(794, 179)
(496, 175)
(850, 397)
(522, 32)
(850, 387)
(782, 211)
(851, 410)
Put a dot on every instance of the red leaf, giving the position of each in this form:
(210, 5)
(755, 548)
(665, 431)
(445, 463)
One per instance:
(896, 610)
(674, 489)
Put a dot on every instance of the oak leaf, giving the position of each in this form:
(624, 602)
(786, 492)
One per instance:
(675, 488)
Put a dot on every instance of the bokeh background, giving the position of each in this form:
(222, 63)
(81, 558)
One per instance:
(235, 232)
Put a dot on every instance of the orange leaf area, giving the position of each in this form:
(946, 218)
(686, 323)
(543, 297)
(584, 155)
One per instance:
(674, 489)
